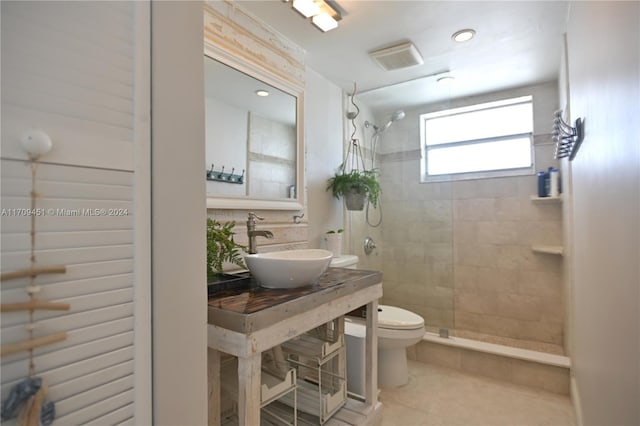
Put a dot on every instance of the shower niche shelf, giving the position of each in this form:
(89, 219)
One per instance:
(546, 200)
(557, 250)
(547, 249)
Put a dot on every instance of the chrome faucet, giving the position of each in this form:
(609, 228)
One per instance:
(252, 233)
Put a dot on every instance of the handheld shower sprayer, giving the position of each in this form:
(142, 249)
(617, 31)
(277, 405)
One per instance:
(396, 116)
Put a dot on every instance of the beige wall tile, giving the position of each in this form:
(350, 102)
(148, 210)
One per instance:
(463, 189)
(475, 302)
(465, 277)
(512, 256)
(487, 365)
(523, 307)
(547, 377)
(442, 273)
(437, 317)
(443, 355)
(541, 331)
(541, 212)
(465, 232)
(440, 297)
(476, 255)
(542, 283)
(509, 208)
(436, 210)
(489, 324)
(497, 280)
(496, 188)
(494, 232)
(474, 209)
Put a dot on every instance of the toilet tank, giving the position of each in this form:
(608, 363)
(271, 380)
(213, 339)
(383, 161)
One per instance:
(349, 261)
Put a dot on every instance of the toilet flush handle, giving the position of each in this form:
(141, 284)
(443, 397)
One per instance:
(369, 245)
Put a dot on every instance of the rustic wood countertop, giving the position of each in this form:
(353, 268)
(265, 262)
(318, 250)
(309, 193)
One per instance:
(245, 307)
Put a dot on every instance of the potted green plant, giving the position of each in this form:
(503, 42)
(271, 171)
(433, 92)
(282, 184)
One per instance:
(356, 187)
(221, 248)
(333, 238)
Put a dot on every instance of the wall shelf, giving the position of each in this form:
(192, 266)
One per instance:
(557, 250)
(546, 200)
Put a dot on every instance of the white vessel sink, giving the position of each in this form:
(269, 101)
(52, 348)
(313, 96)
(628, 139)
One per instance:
(289, 268)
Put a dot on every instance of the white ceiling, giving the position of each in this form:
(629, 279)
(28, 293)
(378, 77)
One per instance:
(516, 43)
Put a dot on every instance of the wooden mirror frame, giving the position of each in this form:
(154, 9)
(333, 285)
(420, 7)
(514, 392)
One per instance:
(214, 52)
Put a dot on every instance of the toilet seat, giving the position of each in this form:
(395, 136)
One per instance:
(394, 318)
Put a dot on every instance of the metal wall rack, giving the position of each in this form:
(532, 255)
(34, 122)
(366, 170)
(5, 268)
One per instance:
(221, 176)
(568, 138)
(320, 359)
(272, 388)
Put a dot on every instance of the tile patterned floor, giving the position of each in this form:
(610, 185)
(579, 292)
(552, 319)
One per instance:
(441, 396)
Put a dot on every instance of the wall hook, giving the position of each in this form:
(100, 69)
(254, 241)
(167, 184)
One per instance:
(221, 176)
(297, 217)
(567, 138)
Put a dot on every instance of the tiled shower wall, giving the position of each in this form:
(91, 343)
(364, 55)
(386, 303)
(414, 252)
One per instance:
(459, 253)
(502, 287)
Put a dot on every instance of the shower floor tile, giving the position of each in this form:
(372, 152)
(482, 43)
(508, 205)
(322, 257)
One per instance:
(441, 396)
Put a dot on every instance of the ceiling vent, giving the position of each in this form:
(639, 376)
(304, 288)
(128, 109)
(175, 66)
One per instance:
(396, 57)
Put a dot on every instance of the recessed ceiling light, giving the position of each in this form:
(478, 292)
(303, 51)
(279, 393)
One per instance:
(447, 79)
(463, 35)
(262, 93)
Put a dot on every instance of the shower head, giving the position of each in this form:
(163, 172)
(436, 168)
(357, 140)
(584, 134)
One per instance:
(396, 116)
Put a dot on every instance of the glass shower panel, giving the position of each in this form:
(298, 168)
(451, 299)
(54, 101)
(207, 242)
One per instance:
(417, 243)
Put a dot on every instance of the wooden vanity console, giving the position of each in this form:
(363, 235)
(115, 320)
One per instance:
(245, 320)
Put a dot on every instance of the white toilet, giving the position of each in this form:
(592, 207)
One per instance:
(397, 330)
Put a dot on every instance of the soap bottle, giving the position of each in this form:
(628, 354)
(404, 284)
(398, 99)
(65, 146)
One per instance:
(554, 182)
(542, 190)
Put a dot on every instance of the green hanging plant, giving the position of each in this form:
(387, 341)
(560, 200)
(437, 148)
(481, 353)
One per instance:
(221, 247)
(363, 182)
(358, 185)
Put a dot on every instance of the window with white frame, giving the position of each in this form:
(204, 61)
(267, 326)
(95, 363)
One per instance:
(484, 140)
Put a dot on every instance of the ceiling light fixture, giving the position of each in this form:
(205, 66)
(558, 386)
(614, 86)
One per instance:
(445, 80)
(306, 8)
(324, 21)
(262, 93)
(463, 35)
(324, 14)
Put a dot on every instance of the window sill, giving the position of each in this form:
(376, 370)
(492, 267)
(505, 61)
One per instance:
(529, 171)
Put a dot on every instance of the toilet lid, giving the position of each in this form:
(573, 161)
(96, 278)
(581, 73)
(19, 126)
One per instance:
(392, 317)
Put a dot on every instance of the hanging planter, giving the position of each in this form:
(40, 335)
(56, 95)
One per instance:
(355, 200)
(358, 185)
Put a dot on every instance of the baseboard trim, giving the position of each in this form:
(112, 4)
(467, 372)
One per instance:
(575, 400)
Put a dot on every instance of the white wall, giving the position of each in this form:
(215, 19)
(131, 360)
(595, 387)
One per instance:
(232, 135)
(604, 74)
(323, 145)
(178, 215)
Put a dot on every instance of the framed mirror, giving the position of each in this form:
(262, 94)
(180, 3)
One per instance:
(254, 148)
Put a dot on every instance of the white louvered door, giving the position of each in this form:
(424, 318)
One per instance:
(80, 72)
